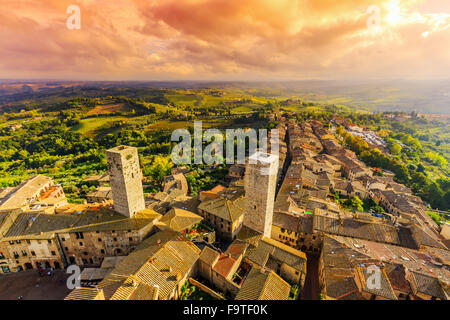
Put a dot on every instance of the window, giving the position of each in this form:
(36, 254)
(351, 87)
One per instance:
(24, 253)
(65, 248)
(81, 244)
(79, 235)
(115, 239)
(11, 242)
(28, 241)
(16, 255)
(17, 241)
(33, 253)
(130, 239)
(53, 253)
(85, 253)
(102, 251)
(99, 239)
(63, 239)
(49, 241)
(113, 231)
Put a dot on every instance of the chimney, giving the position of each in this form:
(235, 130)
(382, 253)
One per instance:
(156, 292)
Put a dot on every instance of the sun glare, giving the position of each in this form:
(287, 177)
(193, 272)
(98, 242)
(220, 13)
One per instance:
(394, 12)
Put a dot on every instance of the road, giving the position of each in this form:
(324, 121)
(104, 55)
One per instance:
(311, 289)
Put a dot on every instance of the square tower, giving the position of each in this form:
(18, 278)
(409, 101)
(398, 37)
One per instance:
(126, 180)
(260, 184)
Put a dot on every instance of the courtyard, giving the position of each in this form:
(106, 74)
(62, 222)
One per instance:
(31, 286)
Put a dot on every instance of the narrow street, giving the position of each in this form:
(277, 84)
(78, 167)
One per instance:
(311, 289)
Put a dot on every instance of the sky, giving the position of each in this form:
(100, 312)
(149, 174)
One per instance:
(255, 40)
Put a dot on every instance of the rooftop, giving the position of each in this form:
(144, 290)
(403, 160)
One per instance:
(261, 284)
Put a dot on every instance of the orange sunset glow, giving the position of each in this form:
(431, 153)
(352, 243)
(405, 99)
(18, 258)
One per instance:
(225, 39)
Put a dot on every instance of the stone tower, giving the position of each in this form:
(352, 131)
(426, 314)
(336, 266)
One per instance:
(260, 183)
(125, 180)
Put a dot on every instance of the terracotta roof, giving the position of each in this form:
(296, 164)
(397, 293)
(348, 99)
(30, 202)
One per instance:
(225, 265)
(26, 192)
(428, 285)
(263, 285)
(237, 248)
(162, 260)
(229, 210)
(42, 225)
(384, 290)
(86, 294)
(178, 220)
(209, 256)
(268, 248)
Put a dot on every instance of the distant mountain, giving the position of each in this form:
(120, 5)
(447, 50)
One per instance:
(389, 95)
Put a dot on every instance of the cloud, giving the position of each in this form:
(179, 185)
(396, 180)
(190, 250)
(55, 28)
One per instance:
(223, 39)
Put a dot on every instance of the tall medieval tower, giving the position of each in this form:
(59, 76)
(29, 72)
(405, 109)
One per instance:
(260, 184)
(126, 180)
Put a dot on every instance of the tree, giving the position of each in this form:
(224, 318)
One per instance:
(355, 203)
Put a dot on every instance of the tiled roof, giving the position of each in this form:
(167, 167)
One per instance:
(86, 294)
(25, 192)
(237, 248)
(358, 229)
(344, 252)
(209, 256)
(271, 249)
(261, 284)
(178, 220)
(384, 290)
(229, 210)
(161, 260)
(42, 225)
(225, 265)
(428, 285)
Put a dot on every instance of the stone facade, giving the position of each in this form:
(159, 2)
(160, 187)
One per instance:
(125, 180)
(260, 183)
(28, 254)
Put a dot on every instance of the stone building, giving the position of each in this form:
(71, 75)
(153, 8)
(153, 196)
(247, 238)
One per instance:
(156, 270)
(260, 183)
(224, 271)
(33, 193)
(125, 180)
(225, 212)
(75, 234)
